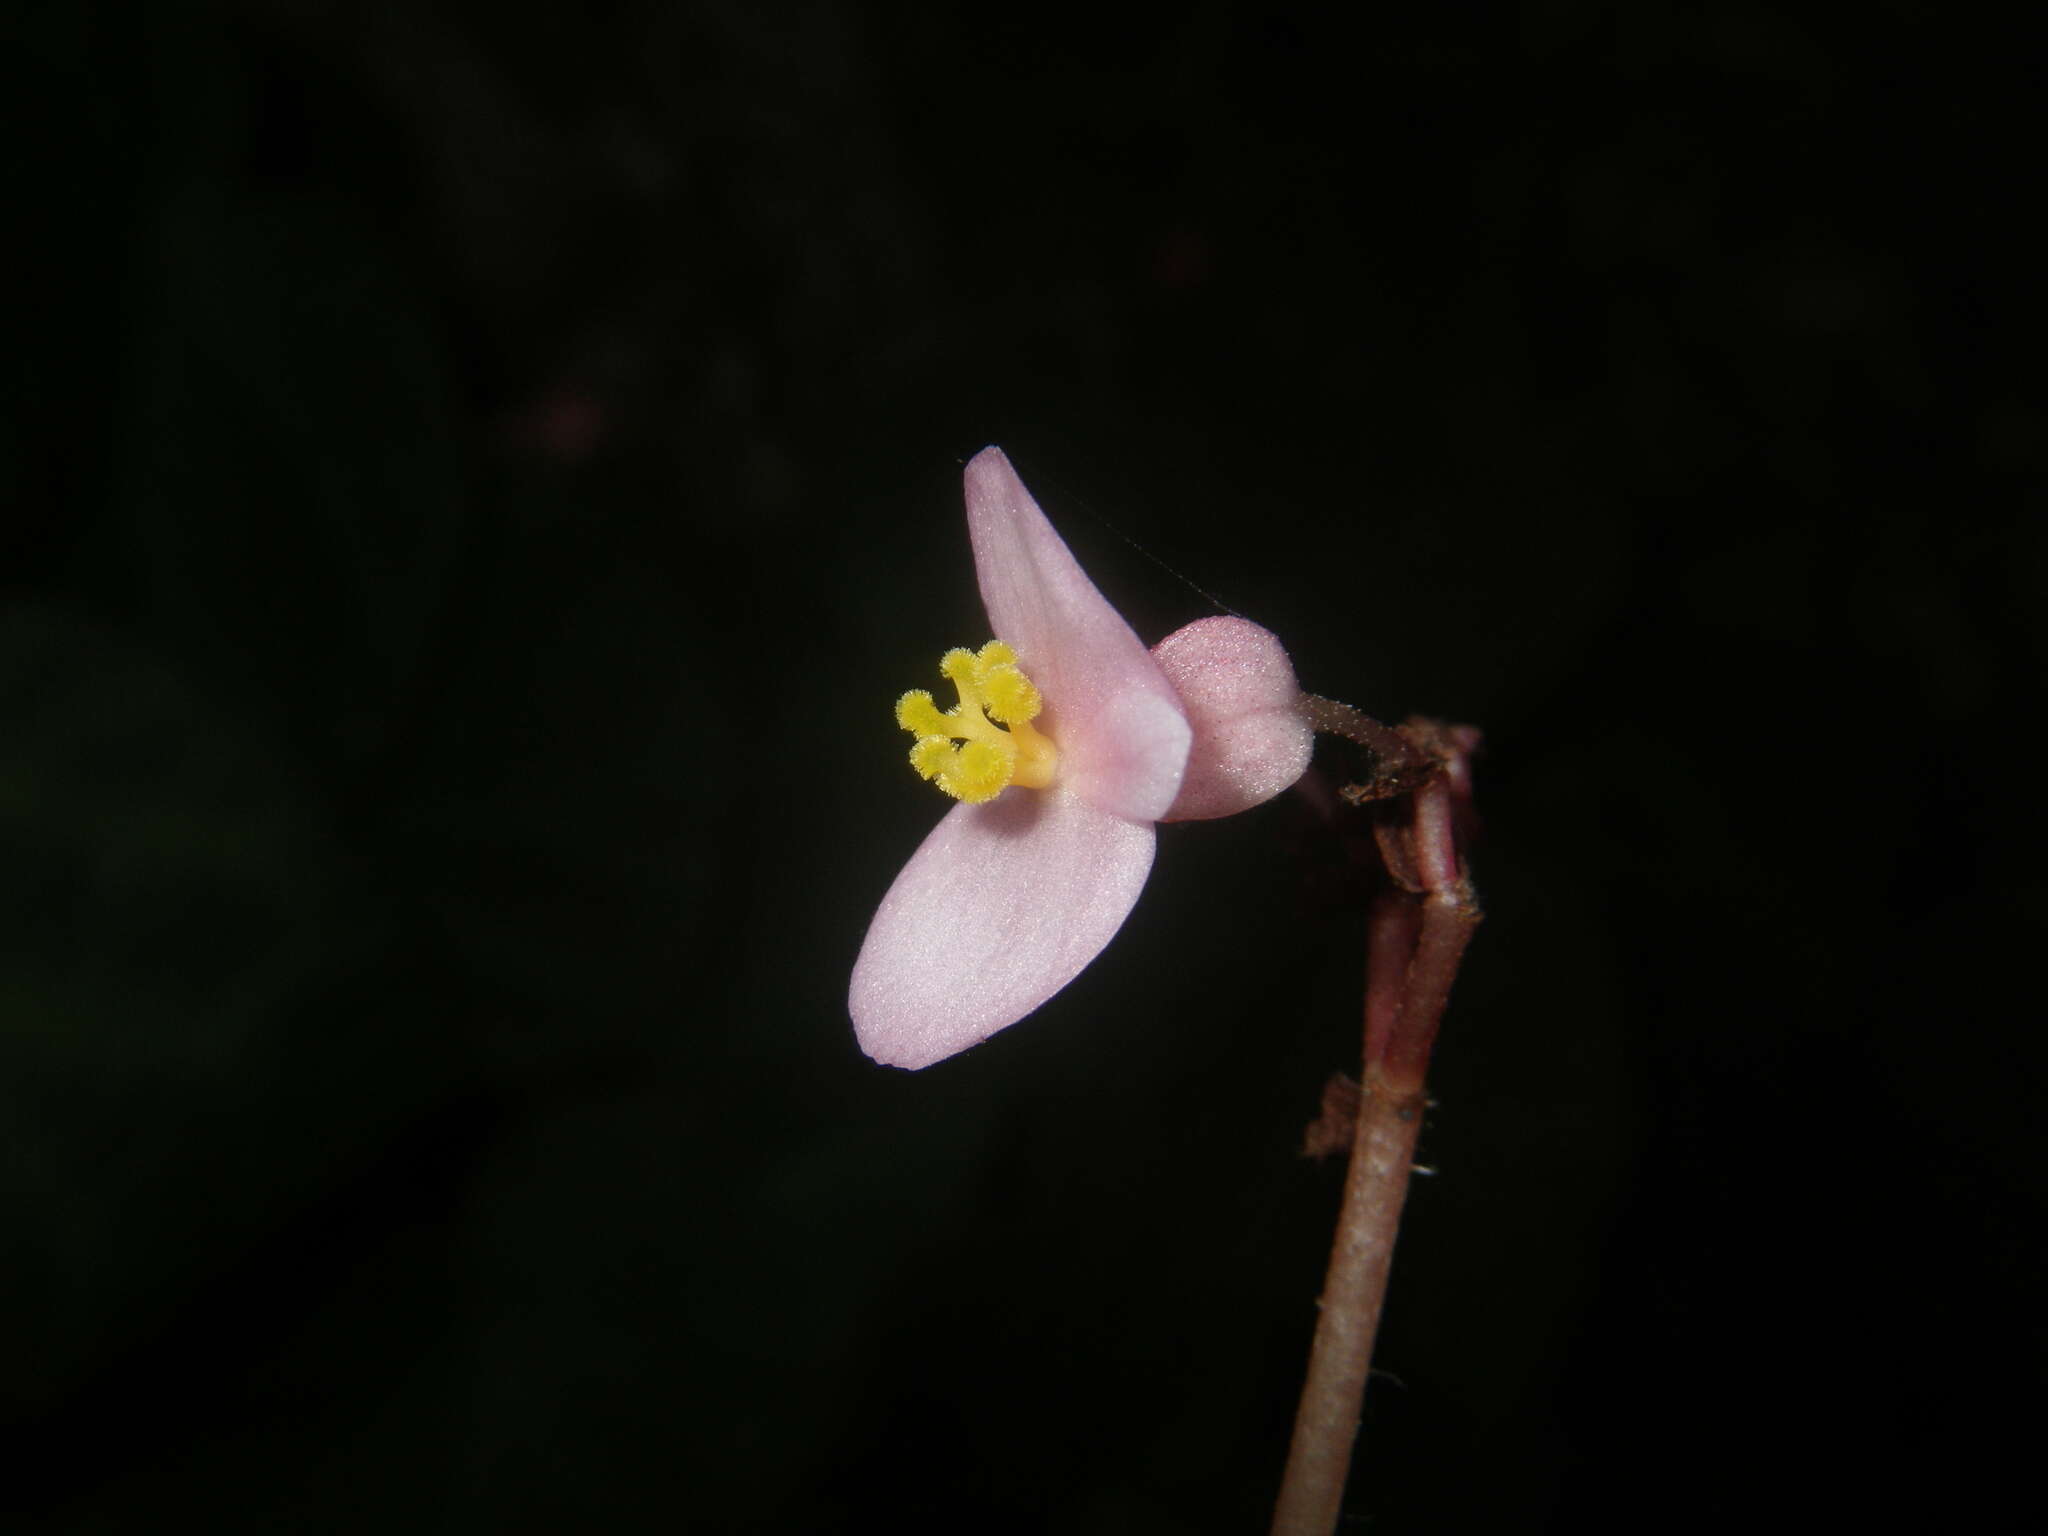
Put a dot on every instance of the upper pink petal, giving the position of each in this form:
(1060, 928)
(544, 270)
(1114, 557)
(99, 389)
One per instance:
(1252, 736)
(999, 908)
(1119, 726)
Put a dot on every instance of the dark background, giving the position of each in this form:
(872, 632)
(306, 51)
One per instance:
(476, 479)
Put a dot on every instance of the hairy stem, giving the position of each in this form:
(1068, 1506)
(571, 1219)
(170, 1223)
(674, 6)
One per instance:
(1416, 936)
(1354, 1290)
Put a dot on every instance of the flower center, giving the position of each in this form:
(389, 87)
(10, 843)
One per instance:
(965, 750)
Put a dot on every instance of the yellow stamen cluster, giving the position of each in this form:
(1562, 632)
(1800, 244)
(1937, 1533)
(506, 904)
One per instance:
(987, 758)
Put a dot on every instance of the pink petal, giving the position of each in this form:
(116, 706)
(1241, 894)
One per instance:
(1252, 738)
(1122, 735)
(997, 910)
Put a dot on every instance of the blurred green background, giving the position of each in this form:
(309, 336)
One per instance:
(476, 479)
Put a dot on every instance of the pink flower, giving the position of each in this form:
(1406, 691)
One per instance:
(1073, 740)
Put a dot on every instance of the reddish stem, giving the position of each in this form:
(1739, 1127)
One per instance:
(1416, 936)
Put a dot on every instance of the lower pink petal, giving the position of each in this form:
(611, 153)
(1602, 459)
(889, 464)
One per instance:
(1000, 907)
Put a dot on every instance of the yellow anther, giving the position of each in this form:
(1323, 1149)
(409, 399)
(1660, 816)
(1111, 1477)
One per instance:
(931, 756)
(979, 771)
(1011, 696)
(987, 759)
(917, 714)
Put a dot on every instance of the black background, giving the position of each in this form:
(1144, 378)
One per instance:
(476, 479)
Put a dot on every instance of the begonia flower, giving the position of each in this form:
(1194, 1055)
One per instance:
(1069, 742)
